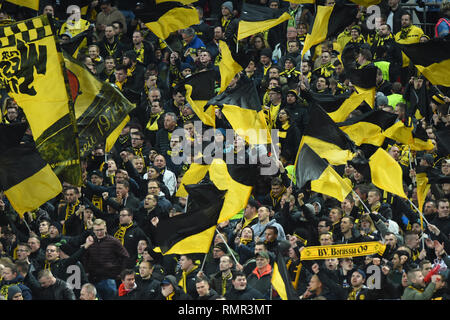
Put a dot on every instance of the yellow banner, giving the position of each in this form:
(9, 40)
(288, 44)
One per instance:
(342, 250)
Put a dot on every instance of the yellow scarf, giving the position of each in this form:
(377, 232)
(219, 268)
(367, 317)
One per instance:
(353, 295)
(152, 124)
(70, 209)
(131, 70)
(120, 233)
(182, 282)
(224, 282)
(140, 53)
(170, 296)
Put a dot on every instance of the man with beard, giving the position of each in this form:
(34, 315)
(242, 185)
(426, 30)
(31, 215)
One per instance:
(110, 44)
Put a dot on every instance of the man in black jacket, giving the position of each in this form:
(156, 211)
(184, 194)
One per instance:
(240, 289)
(52, 288)
(129, 234)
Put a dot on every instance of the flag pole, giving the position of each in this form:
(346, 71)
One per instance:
(228, 247)
(364, 205)
(417, 209)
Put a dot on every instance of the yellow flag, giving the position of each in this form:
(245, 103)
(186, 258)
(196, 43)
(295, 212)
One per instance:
(228, 67)
(386, 173)
(319, 29)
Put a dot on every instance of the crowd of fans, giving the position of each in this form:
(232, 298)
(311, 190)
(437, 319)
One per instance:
(96, 241)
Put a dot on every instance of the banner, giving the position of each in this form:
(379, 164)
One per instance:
(342, 250)
(32, 72)
(100, 109)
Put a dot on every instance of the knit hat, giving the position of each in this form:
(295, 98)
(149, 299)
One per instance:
(381, 99)
(228, 5)
(12, 291)
(361, 272)
(185, 66)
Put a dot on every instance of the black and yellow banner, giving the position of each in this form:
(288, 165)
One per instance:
(326, 139)
(342, 250)
(32, 4)
(256, 18)
(237, 179)
(165, 17)
(32, 72)
(377, 166)
(193, 231)
(27, 180)
(100, 109)
(281, 281)
(431, 58)
(309, 167)
(369, 127)
(329, 21)
(425, 177)
(200, 87)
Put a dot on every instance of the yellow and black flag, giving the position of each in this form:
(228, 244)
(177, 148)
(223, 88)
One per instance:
(34, 77)
(425, 177)
(32, 4)
(231, 63)
(324, 136)
(310, 167)
(431, 58)
(241, 107)
(27, 180)
(380, 169)
(165, 17)
(409, 134)
(281, 281)
(329, 21)
(339, 107)
(100, 109)
(237, 179)
(369, 127)
(200, 88)
(193, 231)
(78, 42)
(256, 18)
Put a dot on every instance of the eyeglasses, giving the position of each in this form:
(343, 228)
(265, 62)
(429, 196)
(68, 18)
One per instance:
(123, 215)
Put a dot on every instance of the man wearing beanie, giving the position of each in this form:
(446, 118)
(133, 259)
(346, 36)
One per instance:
(226, 15)
(136, 71)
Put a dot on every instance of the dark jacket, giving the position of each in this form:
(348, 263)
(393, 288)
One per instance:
(17, 281)
(105, 259)
(191, 277)
(59, 267)
(132, 236)
(148, 288)
(247, 294)
(217, 283)
(57, 291)
(262, 282)
(178, 291)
